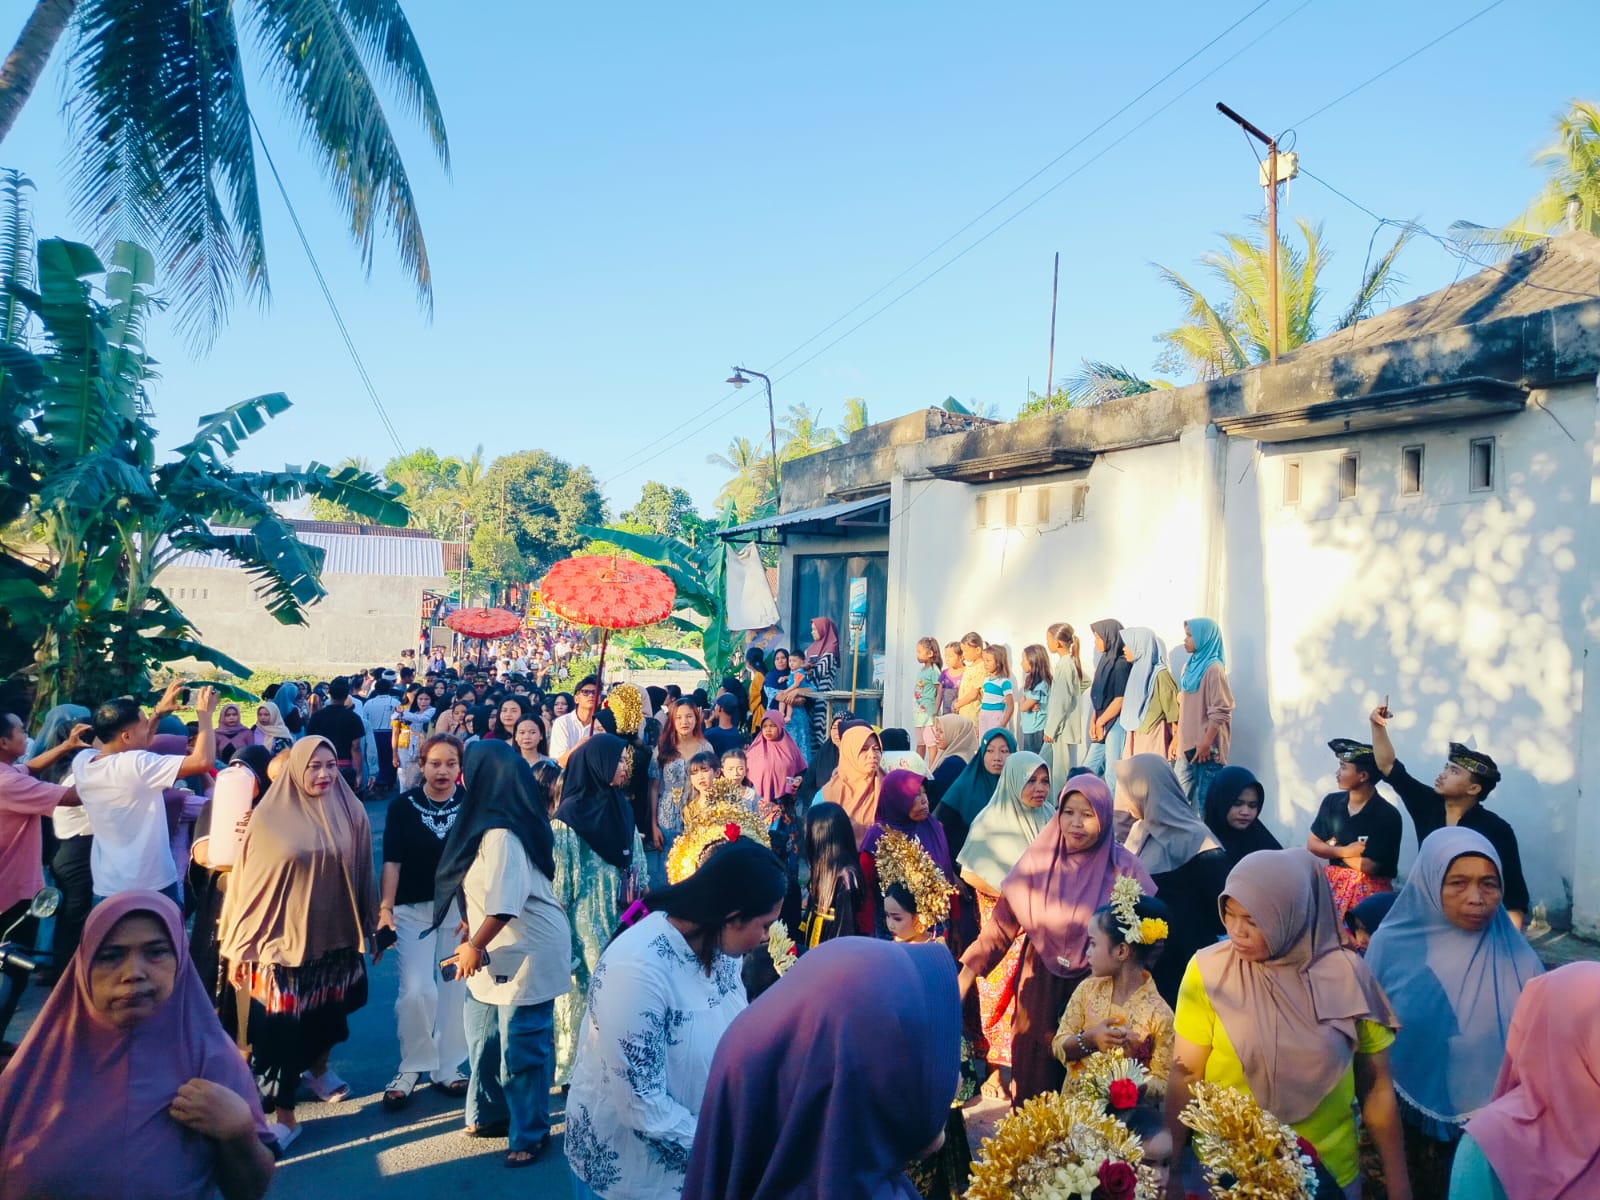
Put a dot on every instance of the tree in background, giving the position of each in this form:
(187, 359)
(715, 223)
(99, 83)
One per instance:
(804, 433)
(1570, 197)
(540, 500)
(1228, 334)
(664, 510)
(165, 137)
(751, 485)
(497, 560)
(855, 416)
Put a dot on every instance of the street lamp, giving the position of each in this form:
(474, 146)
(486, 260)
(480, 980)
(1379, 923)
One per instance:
(738, 380)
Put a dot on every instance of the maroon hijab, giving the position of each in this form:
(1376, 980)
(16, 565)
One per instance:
(83, 1105)
(827, 641)
(896, 796)
(1054, 891)
(832, 1099)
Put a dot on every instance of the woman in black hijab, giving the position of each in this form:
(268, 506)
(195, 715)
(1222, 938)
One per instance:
(1111, 672)
(1233, 814)
(498, 864)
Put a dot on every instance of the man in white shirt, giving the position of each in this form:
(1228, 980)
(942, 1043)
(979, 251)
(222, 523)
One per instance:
(379, 713)
(577, 726)
(121, 782)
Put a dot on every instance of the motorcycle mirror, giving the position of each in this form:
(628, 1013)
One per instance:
(45, 903)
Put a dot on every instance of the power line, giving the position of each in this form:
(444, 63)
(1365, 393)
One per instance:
(1401, 62)
(635, 465)
(696, 417)
(327, 294)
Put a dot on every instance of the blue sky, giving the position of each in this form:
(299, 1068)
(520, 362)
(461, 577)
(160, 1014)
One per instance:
(643, 195)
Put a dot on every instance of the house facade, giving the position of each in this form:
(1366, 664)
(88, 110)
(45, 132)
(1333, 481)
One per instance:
(1409, 509)
(375, 577)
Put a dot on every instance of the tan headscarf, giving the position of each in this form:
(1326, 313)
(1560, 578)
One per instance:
(1167, 832)
(1292, 1017)
(854, 787)
(960, 736)
(303, 885)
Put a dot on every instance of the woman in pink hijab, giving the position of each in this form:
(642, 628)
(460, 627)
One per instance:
(1538, 1138)
(1064, 875)
(127, 1086)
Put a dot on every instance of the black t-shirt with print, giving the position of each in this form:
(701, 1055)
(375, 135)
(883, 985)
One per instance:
(416, 841)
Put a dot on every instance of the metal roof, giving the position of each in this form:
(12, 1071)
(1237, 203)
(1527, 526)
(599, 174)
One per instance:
(811, 516)
(401, 555)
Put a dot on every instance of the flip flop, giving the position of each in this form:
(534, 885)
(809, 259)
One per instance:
(533, 1155)
(327, 1087)
(494, 1129)
(398, 1093)
(284, 1136)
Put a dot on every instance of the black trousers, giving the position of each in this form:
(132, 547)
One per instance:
(16, 980)
(69, 867)
(385, 740)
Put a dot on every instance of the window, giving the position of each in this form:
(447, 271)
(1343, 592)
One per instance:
(1041, 503)
(983, 511)
(1080, 501)
(1291, 481)
(1411, 470)
(1349, 476)
(1480, 468)
(1011, 509)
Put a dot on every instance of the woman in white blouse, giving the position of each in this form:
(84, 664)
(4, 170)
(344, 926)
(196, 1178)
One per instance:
(659, 1002)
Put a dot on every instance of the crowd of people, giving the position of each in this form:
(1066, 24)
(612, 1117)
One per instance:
(773, 952)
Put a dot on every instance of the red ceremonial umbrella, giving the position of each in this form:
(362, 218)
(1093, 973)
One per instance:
(486, 623)
(607, 592)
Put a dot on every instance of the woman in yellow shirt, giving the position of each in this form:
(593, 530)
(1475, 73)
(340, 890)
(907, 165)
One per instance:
(1281, 1011)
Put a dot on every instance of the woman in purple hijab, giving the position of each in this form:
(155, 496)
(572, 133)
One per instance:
(833, 1099)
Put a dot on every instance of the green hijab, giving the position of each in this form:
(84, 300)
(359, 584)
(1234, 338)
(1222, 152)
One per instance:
(1006, 826)
(975, 785)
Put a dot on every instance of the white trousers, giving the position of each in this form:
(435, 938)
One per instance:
(428, 1011)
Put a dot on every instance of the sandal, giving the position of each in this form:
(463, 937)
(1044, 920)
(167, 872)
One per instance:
(284, 1136)
(398, 1094)
(494, 1129)
(456, 1085)
(327, 1087)
(526, 1158)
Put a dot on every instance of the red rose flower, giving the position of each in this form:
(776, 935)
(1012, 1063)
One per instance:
(731, 831)
(1117, 1180)
(1308, 1150)
(1124, 1093)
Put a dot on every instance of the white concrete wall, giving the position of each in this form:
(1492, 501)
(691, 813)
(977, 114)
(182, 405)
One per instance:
(364, 620)
(1472, 611)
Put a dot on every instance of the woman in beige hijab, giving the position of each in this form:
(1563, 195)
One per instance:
(854, 786)
(300, 913)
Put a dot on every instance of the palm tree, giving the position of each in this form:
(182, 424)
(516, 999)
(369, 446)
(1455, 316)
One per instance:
(1570, 198)
(1219, 337)
(165, 138)
(855, 416)
(804, 433)
(751, 485)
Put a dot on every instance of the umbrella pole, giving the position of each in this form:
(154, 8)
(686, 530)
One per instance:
(600, 670)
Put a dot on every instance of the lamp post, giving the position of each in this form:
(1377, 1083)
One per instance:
(738, 380)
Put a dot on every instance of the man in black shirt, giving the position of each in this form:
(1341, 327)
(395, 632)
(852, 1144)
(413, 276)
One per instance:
(1456, 798)
(342, 726)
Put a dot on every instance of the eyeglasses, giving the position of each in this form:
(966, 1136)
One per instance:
(589, 692)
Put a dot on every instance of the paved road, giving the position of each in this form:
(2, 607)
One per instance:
(356, 1149)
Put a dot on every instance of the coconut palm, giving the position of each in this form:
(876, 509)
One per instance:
(1221, 336)
(751, 485)
(804, 433)
(165, 139)
(855, 416)
(1569, 201)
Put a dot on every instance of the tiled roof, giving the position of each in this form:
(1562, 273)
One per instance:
(1561, 271)
(399, 553)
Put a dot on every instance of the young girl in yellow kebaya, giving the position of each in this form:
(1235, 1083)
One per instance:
(1118, 1006)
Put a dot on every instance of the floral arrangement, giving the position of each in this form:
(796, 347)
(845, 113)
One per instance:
(722, 795)
(1111, 1079)
(709, 825)
(901, 859)
(1125, 896)
(1248, 1154)
(1061, 1146)
(627, 705)
(781, 948)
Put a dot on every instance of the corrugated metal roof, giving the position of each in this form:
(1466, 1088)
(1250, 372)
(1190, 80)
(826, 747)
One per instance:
(403, 556)
(828, 512)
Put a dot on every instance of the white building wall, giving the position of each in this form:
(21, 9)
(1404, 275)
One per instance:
(1472, 611)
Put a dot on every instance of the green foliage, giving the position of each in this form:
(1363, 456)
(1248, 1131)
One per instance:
(86, 617)
(541, 501)
(1095, 383)
(164, 132)
(1569, 199)
(668, 511)
(804, 433)
(577, 668)
(497, 557)
(855, 416)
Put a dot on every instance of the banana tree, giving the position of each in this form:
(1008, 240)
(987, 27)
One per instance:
(102, 517)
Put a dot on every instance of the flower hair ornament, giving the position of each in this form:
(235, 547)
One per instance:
(901, 859)
(627, 706)
(781, 948)
(1112, 1080)
(709, 825)
(1245, 1150)
(1062, 1146)
(1139, 931)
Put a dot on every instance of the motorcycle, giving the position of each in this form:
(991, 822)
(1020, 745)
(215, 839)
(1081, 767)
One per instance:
(19, 961)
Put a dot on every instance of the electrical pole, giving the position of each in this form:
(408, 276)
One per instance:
(1270, 181)
(1050, 375)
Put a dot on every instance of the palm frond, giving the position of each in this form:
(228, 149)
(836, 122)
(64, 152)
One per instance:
(387, 40)
(1205, 345)
(1096, 382)
(16, 249)
(220, 433)
(285, 569)
(313, 57)
(1379, 283)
